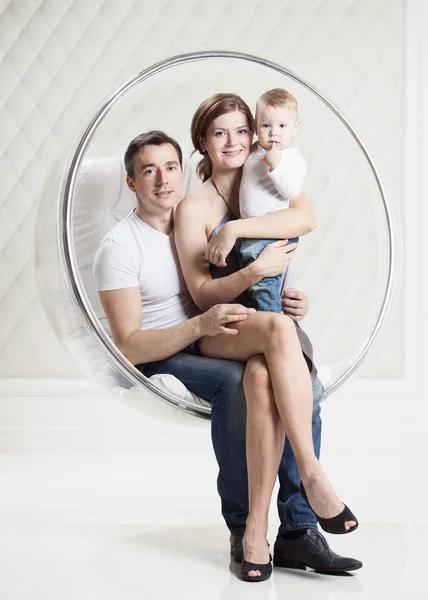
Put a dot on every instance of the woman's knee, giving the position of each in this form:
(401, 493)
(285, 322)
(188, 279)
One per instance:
(256, 372)
(281, 334)
(257, 383)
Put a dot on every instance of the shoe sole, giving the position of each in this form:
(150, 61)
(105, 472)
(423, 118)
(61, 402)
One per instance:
(294, 564)
(255, 579)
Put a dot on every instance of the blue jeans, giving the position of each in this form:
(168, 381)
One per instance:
(265, 294)
(220, 381)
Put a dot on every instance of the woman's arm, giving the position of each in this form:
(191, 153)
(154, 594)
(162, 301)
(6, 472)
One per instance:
(297, 220)
(191, 241)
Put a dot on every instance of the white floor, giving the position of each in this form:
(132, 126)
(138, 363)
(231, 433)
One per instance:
(106, 512)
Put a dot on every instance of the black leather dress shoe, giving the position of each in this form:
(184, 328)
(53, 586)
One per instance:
(236, 547)
(311, 550)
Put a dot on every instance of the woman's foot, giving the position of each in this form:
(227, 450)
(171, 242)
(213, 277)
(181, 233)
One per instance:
(255, 548)
(322, 497)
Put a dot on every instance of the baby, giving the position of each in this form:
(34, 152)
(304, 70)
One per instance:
(272, 175)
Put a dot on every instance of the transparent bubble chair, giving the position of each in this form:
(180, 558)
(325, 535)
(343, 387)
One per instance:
(348, 266)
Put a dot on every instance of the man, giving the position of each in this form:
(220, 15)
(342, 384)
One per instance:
(156, 325)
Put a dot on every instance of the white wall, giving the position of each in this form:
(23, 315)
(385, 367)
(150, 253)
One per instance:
(60, 59)
(61, 55)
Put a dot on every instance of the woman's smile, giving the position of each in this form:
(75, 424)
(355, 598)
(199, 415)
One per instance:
(232, 152)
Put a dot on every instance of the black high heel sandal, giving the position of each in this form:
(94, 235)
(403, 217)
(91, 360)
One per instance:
(335, 524)
(265, 569)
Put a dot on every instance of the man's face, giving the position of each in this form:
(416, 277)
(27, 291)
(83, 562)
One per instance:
(157, 178)
(276, 127)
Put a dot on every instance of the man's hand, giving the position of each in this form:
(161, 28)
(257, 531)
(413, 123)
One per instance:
(219, 247)
(215, 320)
(294, 303)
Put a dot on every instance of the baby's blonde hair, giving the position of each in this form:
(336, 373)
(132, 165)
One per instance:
(279, 98)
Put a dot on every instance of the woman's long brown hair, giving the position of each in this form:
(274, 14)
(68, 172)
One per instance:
(207, 112)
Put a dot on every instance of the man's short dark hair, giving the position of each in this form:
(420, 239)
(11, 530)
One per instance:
(150, 138)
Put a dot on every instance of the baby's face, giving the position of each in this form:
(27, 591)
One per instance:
(276, 127)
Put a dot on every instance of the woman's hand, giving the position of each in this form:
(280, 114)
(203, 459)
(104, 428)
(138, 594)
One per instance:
(219, 247)
(274, 259)
(214, 321)
(294, 303)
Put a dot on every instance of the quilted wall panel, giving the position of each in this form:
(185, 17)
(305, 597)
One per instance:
(58, 59)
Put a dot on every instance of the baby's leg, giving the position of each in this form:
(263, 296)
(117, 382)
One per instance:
(265, 294)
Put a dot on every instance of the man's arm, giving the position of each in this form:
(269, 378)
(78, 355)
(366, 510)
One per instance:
(124, 312)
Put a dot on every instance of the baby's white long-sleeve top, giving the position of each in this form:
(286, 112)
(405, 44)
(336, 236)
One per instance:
(263, 191)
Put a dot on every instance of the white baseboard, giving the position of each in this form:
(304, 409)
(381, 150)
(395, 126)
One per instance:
(49, 386)
(379, 389)
(64, 387)
(62, 415)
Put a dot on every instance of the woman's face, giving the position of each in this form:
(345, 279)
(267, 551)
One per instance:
(228, 140)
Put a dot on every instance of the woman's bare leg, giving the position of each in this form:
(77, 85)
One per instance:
(275, 337)
(265, 443)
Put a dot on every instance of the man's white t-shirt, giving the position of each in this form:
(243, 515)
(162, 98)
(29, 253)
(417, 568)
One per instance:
(133, 254)
(263, 191)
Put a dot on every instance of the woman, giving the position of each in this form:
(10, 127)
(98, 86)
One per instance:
(222, 131)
